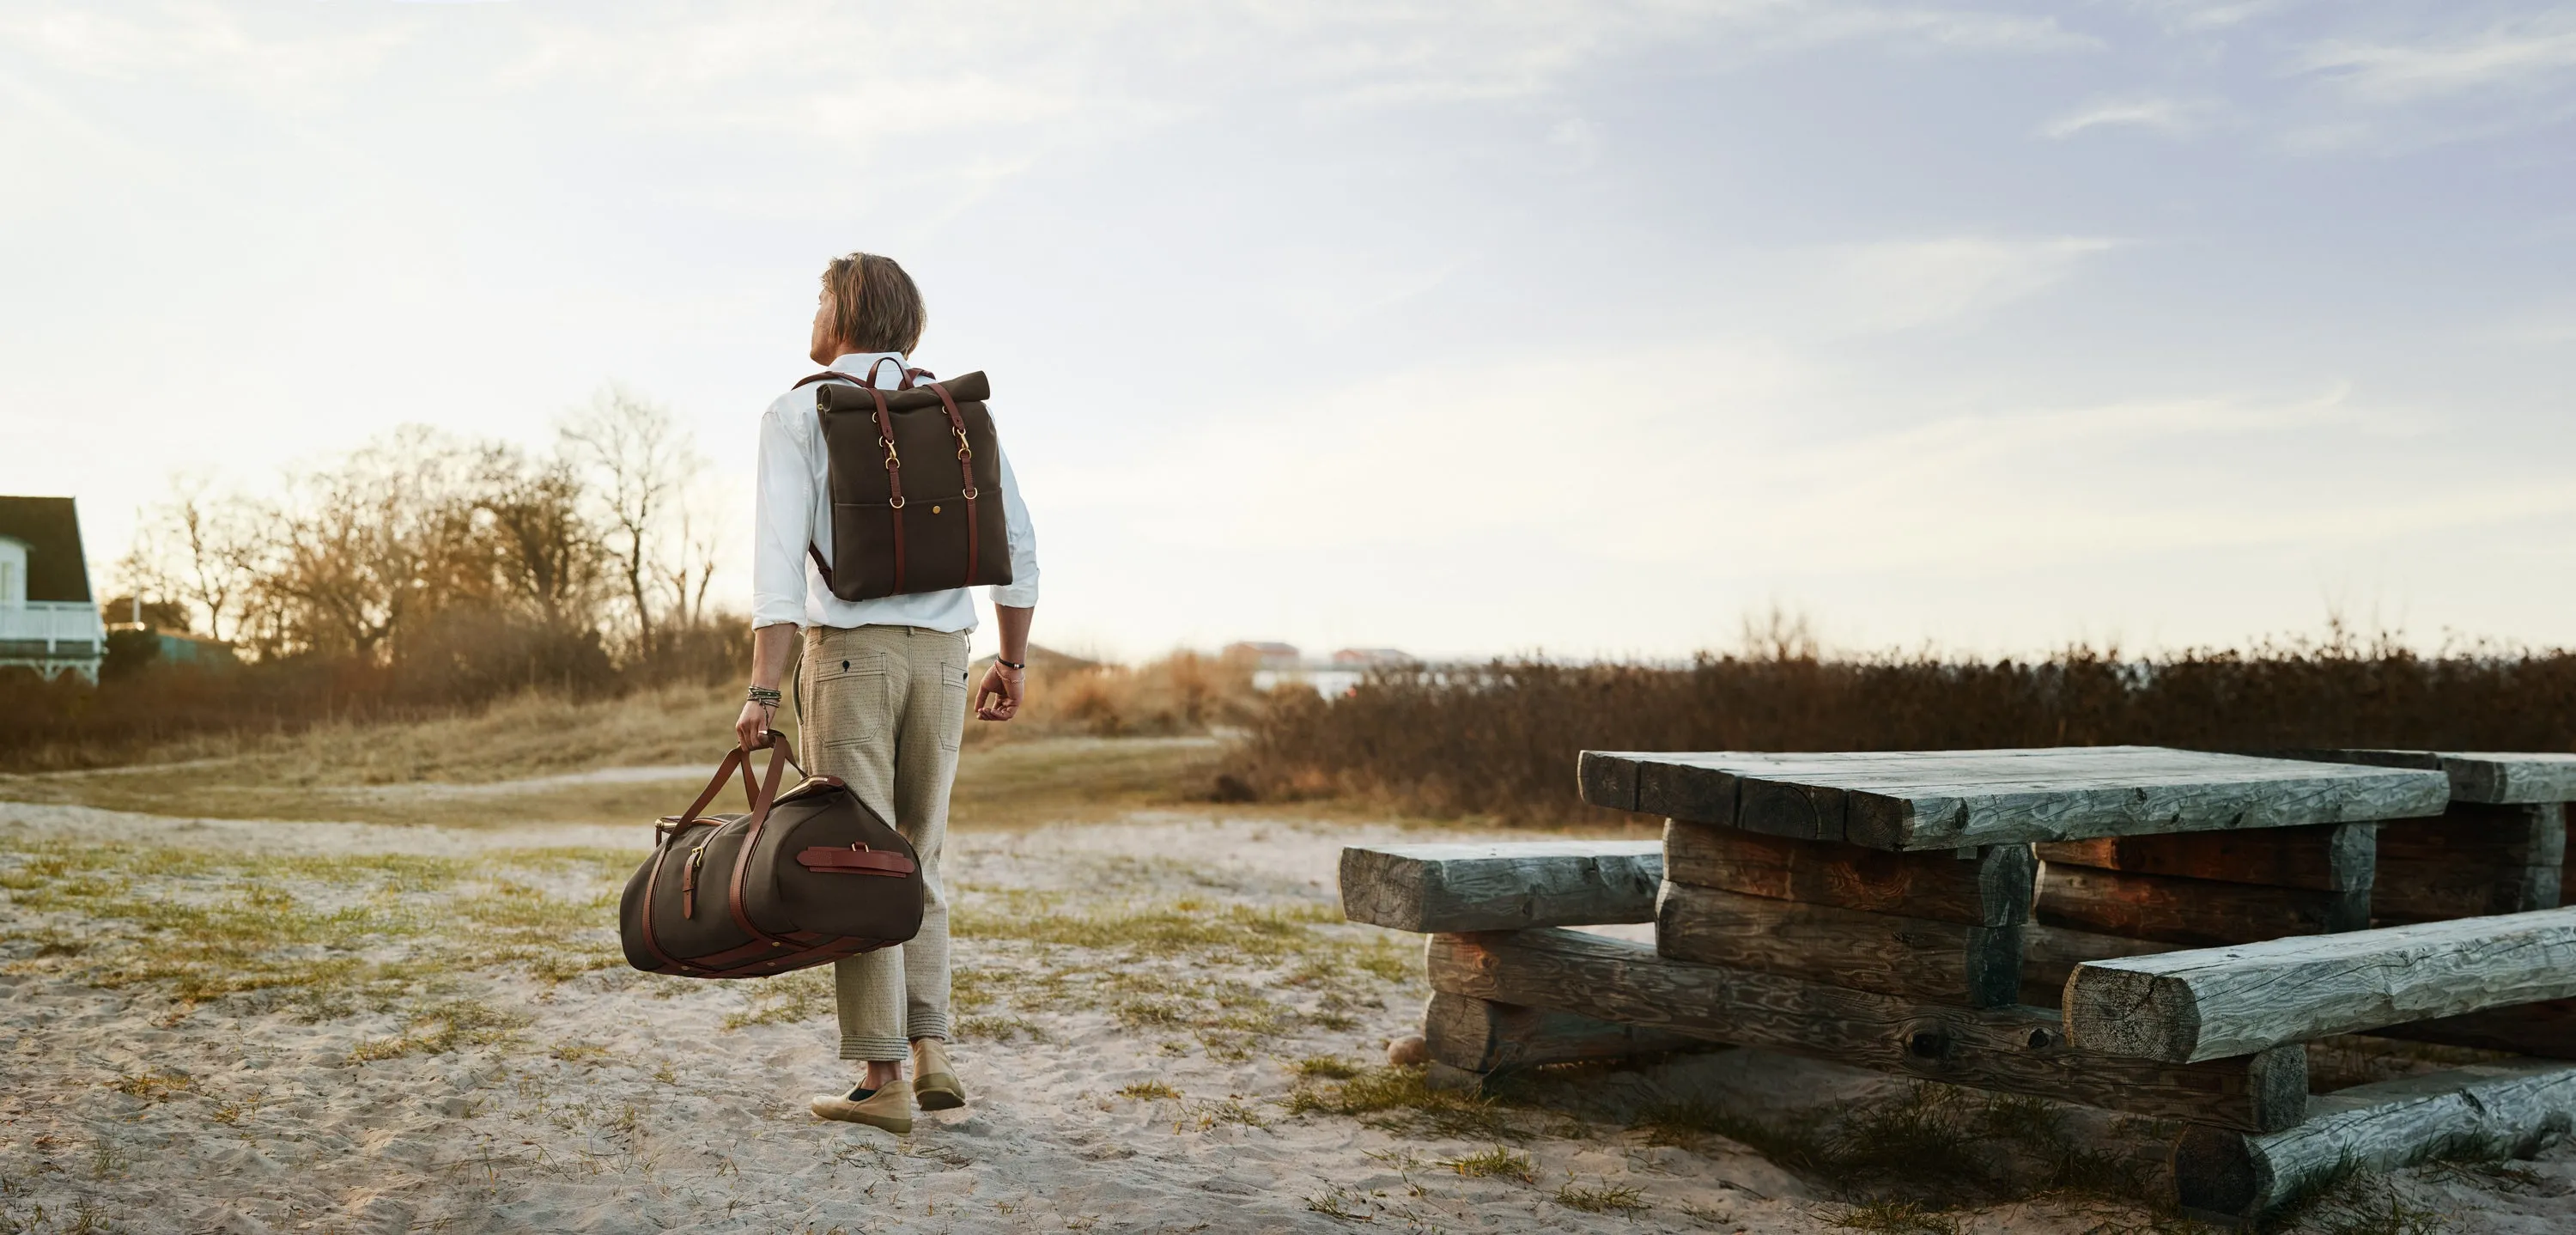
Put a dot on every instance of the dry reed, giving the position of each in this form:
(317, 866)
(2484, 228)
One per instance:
(1501, 740)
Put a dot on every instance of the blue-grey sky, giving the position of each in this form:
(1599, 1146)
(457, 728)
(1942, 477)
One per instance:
(1459, 328)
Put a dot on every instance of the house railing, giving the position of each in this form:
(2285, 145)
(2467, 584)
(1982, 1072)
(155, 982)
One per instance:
(51, 628)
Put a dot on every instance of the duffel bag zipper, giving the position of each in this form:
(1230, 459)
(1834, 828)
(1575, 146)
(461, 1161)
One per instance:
(689, 881)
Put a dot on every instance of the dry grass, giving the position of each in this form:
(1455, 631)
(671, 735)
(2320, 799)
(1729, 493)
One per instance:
(1501, 740)
(488, 766)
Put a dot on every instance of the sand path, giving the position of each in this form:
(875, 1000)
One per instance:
(620, 1102)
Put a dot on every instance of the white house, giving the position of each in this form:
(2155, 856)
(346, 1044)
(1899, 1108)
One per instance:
(48, 620)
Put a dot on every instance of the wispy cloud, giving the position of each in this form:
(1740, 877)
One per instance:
(2526, 56)
(2174, 117)
(1903, 285)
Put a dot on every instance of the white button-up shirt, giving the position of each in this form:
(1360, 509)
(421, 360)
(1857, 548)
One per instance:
(794, 509)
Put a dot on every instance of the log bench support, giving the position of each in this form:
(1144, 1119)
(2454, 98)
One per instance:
(2481, 1111)
(1472, 1040)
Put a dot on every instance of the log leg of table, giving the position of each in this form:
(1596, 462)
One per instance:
(2017, 1049)
(1483, 1037)
(2484, 1110)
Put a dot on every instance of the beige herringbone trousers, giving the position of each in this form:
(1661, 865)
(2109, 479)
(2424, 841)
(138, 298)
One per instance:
(883, 708)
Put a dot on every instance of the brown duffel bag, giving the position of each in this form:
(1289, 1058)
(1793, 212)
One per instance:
(916, 485)
(805, 877)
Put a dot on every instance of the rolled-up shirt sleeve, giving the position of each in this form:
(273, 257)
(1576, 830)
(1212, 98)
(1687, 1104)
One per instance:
(783, 522)
(1022, 591)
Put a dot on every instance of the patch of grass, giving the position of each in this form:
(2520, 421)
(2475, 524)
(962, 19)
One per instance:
(1398, 1100)
(1609, 1198)
(1149, 1091)
(152, 1084)
(1325, 1068)
(445, 1027)
(787, 999)
(1228, 1111)
(1495, 1163)
(998, 1029)
(1180, 928)
(573, 1051)
(1336, 1202)
(1897, 1218)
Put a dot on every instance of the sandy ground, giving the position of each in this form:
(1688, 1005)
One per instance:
(605, 1100)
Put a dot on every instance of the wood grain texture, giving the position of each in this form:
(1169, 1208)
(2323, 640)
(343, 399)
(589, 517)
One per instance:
(2476, 776)
(2017, 1050)
(2472, 860)
(2479, 1111)
(1990, 888)
(2209, 1003)
(2173, 909)
(2330, 857)
(1477, 1035)
(2049, 955)
(1918, 800)
(1943, 962)
(2547, 1030)
(1428, 888)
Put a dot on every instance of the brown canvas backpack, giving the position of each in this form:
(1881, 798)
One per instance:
(916, 486)
(805, 877)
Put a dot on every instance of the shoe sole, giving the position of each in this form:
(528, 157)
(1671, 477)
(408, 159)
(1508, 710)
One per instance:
(898, 1125)
(931, 1095)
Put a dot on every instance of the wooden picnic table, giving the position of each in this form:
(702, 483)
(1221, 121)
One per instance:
(2144, 929)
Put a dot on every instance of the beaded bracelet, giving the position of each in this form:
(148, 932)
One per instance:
(767, 695)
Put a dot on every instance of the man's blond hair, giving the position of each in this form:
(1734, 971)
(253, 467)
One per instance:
(875, 307)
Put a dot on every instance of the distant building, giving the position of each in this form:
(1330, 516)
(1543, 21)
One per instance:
(1274, 657)
(1373, 658)
(48, 621)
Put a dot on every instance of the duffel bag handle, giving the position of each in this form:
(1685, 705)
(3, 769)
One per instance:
(756, 798)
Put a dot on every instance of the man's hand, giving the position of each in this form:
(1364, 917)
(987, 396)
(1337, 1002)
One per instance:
(754, 723)
(999, 697)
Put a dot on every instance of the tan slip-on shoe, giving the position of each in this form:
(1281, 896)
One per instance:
(889, 1108)
(935, 1083)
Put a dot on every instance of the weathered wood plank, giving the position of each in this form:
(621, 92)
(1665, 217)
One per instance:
(2472, 860)
(2017, 1050)
(2173, 909)
(1429, 888)
(2331, 857)
(1914, 800)
(1979, 966)
(2210, 1003)
(2476, 776)
(1990, 888)
(1484, 1037)
(2547, 1029)
(2482, 1110)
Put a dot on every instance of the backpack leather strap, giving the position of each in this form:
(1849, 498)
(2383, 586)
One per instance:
(966, 468)
(894, 481)
(870, 381)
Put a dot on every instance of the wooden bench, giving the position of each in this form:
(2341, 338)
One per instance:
(2002, 919)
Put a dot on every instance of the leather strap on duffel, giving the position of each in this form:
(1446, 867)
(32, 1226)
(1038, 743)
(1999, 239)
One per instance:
(854, 861)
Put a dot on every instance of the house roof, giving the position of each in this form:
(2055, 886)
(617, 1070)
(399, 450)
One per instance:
(50, 529)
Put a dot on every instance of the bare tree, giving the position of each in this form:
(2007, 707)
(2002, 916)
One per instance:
(544, 549)
(639, 462)
(195, 550)
(356, 552)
